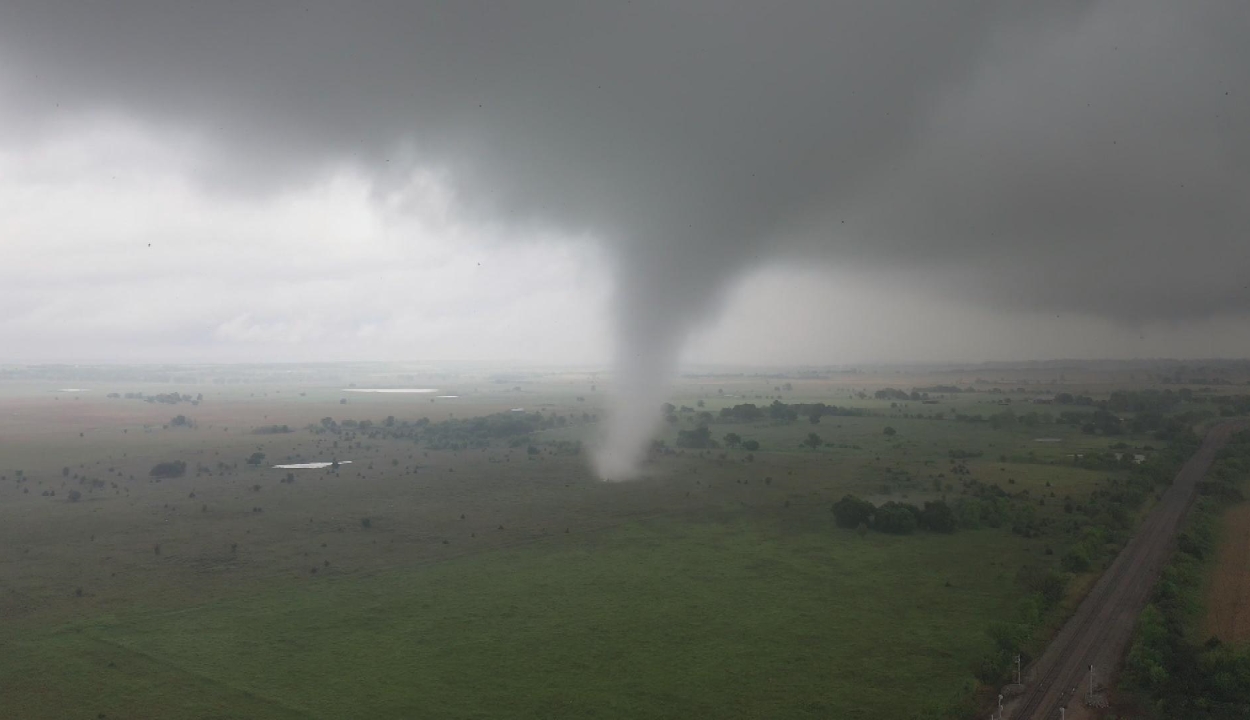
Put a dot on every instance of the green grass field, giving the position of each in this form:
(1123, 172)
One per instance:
(498, 582)
(735, 619)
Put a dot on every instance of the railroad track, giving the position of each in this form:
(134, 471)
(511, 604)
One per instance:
(1099, 631)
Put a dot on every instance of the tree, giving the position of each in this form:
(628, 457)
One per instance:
(783, 412)
(256, 458)
(813, 441)
(889, 431)
(750, 445)
(937, 516)
(733, 440)
(700, 437)
(851, 511)
(896, 518)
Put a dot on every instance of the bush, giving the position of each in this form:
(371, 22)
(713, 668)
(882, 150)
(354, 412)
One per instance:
(176, 468)
(366, 523)
(74, 496)
(1075, 561)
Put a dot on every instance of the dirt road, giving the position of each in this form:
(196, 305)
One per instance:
(1099, 632)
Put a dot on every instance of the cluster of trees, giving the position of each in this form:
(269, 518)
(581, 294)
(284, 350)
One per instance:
(454, 433)
(669, 411)
(1232, 405)
(894, 394)
(920, 394)
(787, 412)
(165, 398)
(894, 517)
(734, 440)
(698, 438)
(1008, 419)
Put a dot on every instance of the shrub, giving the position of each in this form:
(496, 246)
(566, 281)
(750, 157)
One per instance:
(176, 468)
(1075, 561)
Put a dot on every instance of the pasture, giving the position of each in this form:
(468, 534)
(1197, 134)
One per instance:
(502, 579)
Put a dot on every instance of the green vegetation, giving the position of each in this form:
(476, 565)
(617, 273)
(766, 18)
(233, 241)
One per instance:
(656, 620)
(1180, 673)
(468, 563)
(171, 469)
(455, 433)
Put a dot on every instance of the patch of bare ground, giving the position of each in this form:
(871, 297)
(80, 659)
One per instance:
(1228, 595)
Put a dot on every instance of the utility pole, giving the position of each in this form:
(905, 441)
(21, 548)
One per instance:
(1018, 682)
(1090, 696)
(1061, 712)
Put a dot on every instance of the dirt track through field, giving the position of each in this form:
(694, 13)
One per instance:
(1099, 631)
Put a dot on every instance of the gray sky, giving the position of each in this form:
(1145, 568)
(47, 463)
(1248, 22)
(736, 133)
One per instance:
(547, 181)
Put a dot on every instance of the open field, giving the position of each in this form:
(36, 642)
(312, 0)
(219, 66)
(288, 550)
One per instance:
(653, 619)
(433, 577)
(1228, 595)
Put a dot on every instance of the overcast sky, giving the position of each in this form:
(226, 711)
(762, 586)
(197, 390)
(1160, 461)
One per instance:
(546, 181)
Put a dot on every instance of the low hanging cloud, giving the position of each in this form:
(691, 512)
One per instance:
(1081, 157)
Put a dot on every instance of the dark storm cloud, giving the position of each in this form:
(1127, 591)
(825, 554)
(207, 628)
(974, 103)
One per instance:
(1087, 157)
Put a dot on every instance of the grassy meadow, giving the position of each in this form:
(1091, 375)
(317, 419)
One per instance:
(503, 579)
